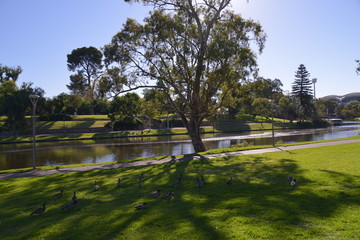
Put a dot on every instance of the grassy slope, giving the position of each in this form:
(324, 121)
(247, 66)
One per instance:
(98, 123)
(259, 205)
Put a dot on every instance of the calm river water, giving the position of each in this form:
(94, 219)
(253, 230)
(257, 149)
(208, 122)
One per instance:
(71, 152)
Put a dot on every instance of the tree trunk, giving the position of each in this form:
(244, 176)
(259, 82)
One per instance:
(193, 127)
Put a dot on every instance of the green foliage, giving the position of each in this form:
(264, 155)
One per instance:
(9, 73)
(317, 123)
(196, 53)
(15, 104)
(350, 110)
(262, 107)
(123, 112)
(126, 123)
(286, 108)
(175, 123)
(127, 105)
(302, 92)
(87, 63)
(246, 94)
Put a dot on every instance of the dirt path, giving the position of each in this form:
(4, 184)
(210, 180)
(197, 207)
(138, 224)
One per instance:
(38, 173)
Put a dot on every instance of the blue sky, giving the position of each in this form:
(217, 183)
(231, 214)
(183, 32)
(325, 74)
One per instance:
(321, 34)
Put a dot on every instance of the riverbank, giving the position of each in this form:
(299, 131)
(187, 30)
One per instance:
(91, 135)
(57, 170)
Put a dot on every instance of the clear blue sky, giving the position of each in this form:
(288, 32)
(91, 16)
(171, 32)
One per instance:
(324, 35)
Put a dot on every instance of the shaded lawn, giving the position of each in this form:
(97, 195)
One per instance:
(259, 205)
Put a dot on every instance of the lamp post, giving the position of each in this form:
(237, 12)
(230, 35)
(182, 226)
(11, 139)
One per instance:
(33, 98)
(314, 80)
(272, 122)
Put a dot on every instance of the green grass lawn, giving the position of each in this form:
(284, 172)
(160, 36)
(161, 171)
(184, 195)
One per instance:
(71, 124)
(260, 204)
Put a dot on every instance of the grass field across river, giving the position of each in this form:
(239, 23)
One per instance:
(260, 204)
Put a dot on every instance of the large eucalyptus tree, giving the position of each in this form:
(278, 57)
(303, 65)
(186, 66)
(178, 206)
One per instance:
(195, 51)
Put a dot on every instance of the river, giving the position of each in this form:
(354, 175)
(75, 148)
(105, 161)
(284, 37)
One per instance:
(14, 156)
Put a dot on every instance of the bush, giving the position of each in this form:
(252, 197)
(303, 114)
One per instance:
(127, 123)
(315, 123)
(55, 117)
(320, 123)
(176, 123)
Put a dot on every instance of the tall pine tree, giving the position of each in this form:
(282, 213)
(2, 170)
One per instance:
(302, 91)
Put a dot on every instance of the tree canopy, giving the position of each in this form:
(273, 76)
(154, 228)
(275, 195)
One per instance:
(194, 52)
(9, 73)
(87, 63)
(302, 90)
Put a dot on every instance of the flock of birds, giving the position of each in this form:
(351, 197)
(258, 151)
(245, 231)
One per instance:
(200, 181)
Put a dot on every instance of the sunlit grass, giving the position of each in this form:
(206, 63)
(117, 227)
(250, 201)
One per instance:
(259, 205)
(71, 124)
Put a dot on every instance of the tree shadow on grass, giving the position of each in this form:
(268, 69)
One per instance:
(260, 197)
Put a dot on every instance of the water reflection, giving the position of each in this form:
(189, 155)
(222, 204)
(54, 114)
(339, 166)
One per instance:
(75, 152)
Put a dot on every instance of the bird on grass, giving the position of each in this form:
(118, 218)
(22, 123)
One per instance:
(96, 186)
(199, 183)
(74, 198)
(119, 183)
(179, 181)
(155, 194)
(230, 181)
(141, 206)
(168, 196)
(39, 211)
(141, 176)
(202, 180)
(293, 183)
(59, 195)
(140, 183)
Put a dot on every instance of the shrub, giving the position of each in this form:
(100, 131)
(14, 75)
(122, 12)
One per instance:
(127, 123)
(55, 117)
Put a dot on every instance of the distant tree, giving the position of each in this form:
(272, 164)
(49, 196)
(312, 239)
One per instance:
(73, 102)
(9, 73)
(262, 107)
(58, 103)
(7, 87)
(286, 108)
(158, 98)
(124, 110)
(244, 95)
(127, 105)
(330, 107)
(101, 106)
(14, 105)
(350, 110)
(320, 108)
(302, 90)
(87, 63)
(195, 52)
